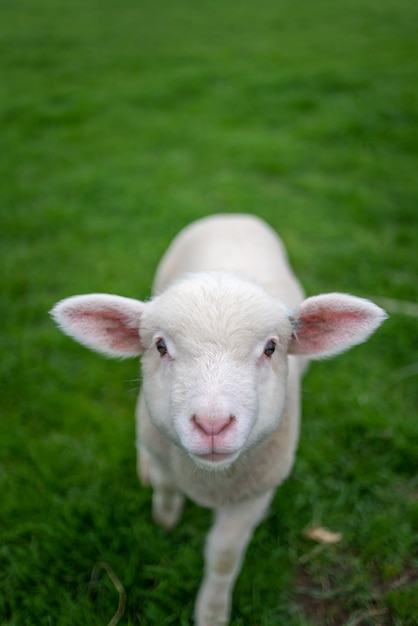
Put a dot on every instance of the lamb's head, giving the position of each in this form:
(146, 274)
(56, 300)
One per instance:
(215, 365)
(215, 354)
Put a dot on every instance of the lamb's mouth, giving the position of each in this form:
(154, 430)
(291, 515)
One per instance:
(214, 461)
(214, 457)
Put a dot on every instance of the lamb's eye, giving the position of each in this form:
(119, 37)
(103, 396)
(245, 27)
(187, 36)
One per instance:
(270, 348)
(161, 347)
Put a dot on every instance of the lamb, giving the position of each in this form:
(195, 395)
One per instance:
(224, 341)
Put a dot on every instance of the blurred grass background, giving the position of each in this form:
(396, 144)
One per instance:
(120, 123)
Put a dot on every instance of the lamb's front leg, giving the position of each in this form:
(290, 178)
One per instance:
(153, 469)
(224, 553)
(167, 502)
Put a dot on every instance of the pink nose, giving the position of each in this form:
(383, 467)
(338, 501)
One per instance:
(213, 426)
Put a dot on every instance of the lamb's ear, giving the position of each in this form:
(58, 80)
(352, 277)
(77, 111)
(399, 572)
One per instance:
(104, 323)
(331, 323)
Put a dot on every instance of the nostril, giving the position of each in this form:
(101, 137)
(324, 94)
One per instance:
(212, 426)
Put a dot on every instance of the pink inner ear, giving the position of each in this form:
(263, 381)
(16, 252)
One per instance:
(331, 323)
(105, 323)
(324, 332)
(118, 327)
(114, 329)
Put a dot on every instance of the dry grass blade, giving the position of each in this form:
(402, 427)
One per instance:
(323, 535)
(406, 372)
(398, 306)
(118, 586)
(365, 615)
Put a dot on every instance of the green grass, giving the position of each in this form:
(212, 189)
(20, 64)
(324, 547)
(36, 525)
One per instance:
(120, 123)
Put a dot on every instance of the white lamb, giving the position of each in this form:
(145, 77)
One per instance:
(218, 415)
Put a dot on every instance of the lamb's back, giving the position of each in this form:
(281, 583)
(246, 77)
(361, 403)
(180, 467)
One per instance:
(237, 243)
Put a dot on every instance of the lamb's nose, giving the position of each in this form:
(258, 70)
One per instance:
(213, 426)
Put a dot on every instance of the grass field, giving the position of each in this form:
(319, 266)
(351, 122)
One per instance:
(120, 123)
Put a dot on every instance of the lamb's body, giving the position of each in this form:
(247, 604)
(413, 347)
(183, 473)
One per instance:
(246, 245)
(218, 415)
